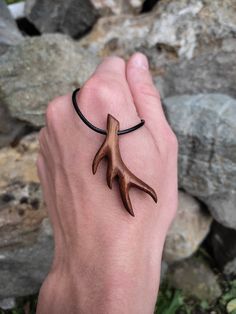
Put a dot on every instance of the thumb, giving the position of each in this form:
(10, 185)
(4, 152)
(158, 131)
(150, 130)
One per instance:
(145, 95)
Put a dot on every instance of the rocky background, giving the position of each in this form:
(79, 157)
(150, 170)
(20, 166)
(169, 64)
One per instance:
(191, 46)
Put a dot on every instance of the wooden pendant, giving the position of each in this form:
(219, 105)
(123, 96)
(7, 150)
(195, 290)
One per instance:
(117, 168)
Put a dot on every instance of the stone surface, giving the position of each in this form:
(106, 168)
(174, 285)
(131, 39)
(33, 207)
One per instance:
(189, 229)
(191, 44)
(26, 238)
(223, 243)
(41, 68)
(206, 131)
(21, 205)
(195, 278)
(117, 7)
(10, 129)
(7, 304)
(71, 17)
(24, 268)
(9, 33)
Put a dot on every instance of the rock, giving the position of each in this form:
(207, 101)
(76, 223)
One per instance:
(41, 68)
(72, 17)
(9, 33)
(195, 278)
(23, 269)
(10, 129)
(21, 204)
(7, 304)
(26, 238)
(189, 229)
(206, 131)
(148, 5)
(120, 35)
(223, 244)
(191, 44)
(110, 7)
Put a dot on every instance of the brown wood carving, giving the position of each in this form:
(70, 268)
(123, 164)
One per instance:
(117, 168)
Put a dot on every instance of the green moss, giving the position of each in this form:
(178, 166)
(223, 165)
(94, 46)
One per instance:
(169, 300)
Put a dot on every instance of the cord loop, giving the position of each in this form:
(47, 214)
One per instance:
(93, 127)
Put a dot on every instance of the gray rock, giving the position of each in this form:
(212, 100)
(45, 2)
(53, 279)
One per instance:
(10, 129)
(21, 205)
(117, 7)
(195, 278)
(206, 131)
(39, 69)
(23, 268)
(189, 229)
(164, 270)
(7, 304)
(72, 17)
(9, 33)
(191, 44)
(223, 243)
(26, 246)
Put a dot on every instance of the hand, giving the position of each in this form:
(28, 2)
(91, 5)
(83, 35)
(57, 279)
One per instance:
(105, 260)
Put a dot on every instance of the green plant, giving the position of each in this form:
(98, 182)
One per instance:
(228, 299)
(10, 2)
(169, 300)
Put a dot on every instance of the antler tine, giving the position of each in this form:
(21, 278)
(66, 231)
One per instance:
(99, 156)
(134, 181)
(116, 166)
(124, 192)
(126, 184)
(111, 174)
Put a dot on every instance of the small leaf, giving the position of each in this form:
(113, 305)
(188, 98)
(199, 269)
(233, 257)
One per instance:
(175, 304)
(204, 305)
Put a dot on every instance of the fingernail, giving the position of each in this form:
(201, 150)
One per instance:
(140, 61)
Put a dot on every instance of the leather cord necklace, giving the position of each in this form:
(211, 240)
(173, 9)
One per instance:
(110, 149)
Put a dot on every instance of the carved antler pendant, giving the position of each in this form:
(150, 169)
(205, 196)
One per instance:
(116, 166)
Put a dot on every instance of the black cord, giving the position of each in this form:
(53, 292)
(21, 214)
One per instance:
(93, 127)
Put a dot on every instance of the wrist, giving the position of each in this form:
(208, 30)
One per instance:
(120, 284)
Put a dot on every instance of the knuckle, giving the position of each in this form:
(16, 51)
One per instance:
(103, 90)
(169, 143)
(51, 112)
(172, 141)
(116, 59)
(100, 86)
(56, 108)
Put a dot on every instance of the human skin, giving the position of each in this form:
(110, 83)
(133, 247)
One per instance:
(105, 260)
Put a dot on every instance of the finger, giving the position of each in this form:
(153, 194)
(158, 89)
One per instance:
(111, 65)
(107, 91)
(145, 95)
